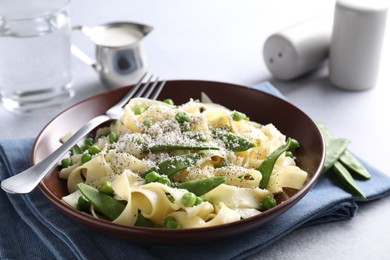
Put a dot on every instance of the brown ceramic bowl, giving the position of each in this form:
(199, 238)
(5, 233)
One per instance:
(259, 106)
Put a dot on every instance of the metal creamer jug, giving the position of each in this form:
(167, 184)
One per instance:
(119, 55)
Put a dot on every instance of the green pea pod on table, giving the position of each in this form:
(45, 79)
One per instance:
(178, 163)
(347, 178)
(268, 164)
(107, 205)
(341, 161)
(334, 149)
(354, 165)
(325, 132)
(202, 186)
(175, 147)
(346, 158)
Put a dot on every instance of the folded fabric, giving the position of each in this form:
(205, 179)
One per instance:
(32, 228)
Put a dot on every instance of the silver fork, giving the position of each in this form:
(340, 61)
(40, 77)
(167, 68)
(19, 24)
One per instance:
(27, 180)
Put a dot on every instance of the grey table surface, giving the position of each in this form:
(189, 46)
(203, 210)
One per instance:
(222, 40)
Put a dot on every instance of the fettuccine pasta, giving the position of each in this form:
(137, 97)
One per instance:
(178, 166)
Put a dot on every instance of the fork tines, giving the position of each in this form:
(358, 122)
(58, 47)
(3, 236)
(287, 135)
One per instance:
(152, 87)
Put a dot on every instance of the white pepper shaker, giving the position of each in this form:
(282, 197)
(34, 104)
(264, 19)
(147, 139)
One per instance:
(356, 44)
(298, 49)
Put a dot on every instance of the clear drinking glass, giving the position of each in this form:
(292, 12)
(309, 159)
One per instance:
(35, 59)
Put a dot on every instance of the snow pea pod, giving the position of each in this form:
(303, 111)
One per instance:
(76, 150)
(268, 164)
(334, 149)
(344, 163)
(144, 222)
(174, 147)
(178, 163)
(325, 132)
(107, 205)
(347, 159)
(202, 186)
(232, 141)
(353, 164)
(347, 178)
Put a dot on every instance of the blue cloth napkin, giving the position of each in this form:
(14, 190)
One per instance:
(31, 228)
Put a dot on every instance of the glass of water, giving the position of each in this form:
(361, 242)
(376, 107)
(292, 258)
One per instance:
(35, 59)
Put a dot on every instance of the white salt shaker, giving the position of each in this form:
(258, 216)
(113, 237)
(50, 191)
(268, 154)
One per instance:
(356, 44)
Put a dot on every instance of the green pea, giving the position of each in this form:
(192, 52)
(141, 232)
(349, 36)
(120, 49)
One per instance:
(173, 225)
(94, 149)
(200, 137)
(186, 127)
(66, 162)
(139, 110)
(88, 141)
(188, 199)
(268, 202)
(170, 197)
(182, 117)
(168, 101)
(169, 218)
(294, 143)
(83, 204)
(85, 147)
(238, 116)
(148, 122)
(138, 140)
(112, 137)
(170, 222)
(152, 177)
(164, 180)
(86, 157)
(198, 201)
(289, 154)
(107, 188)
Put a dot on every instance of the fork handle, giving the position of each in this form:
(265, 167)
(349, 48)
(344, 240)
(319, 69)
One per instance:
(27, 180)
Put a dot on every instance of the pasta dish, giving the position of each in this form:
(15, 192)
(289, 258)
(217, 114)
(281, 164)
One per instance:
(192, 165)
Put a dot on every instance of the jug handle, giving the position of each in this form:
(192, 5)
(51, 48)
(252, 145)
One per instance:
(78, 53)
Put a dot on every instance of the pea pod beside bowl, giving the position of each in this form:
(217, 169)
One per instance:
(340, 162)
